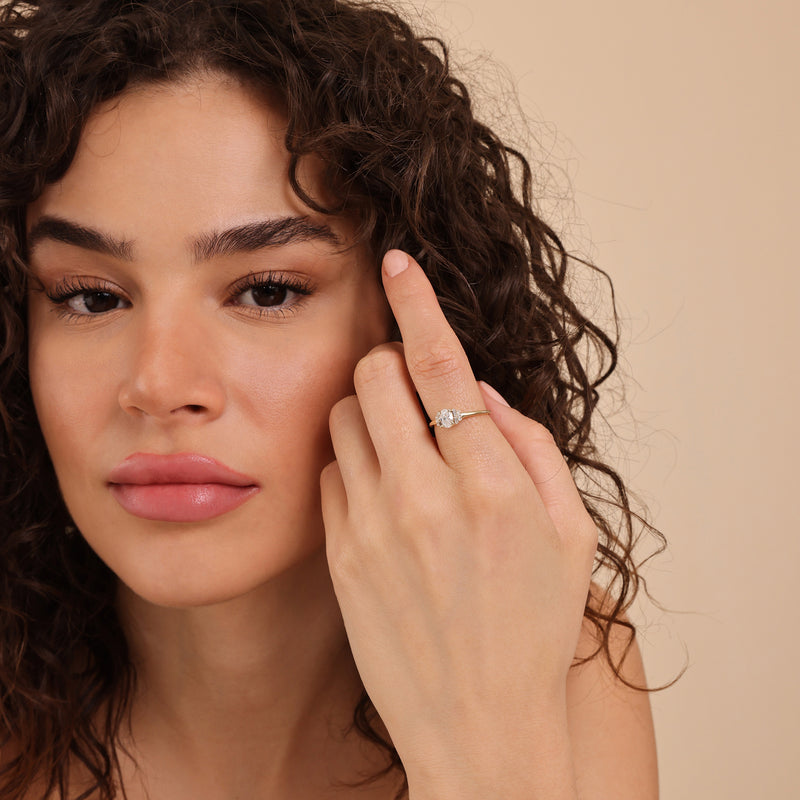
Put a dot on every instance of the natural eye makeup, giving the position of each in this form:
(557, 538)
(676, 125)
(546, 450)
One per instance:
(263, 294)
(270, 293)
(78, 297)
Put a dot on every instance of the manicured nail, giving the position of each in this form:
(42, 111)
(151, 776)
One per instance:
(394, 262)
(493, 393)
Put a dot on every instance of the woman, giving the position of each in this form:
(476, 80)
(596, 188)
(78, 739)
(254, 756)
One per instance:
(249, 549)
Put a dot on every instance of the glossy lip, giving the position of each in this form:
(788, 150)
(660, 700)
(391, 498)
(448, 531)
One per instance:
(184, 487)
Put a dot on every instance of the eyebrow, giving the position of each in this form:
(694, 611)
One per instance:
(245, 238)
(258, 235)
(62, 230)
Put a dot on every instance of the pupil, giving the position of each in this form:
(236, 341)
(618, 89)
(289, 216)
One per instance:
(97, 302)
(269, 295)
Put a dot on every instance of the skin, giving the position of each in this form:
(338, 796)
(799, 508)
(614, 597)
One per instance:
(435, 570)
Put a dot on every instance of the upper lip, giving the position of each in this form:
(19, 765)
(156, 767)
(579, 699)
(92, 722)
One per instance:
(149, 468)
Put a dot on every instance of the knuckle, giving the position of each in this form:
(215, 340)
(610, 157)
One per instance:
(345, 553)
(590, 534)
(355, 554)
(582, 537)
(496, 487)
(540, 434)
(342, 560)
(329, 473)
(437, 360)
(380, 363)
(341, 411)
(496, 492)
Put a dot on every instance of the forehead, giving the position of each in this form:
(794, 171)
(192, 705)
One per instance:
(170, 159)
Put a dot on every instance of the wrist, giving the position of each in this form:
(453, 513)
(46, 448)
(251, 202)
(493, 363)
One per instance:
(521, 762)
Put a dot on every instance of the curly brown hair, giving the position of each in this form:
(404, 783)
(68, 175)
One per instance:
(407, 158)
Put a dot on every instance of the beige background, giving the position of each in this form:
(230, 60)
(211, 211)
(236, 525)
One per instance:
(678, 127)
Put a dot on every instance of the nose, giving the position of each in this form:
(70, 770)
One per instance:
(172, 373)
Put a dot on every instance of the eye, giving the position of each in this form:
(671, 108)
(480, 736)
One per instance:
(78, 297)
(93, 302)
(270, 293)
(265, 295)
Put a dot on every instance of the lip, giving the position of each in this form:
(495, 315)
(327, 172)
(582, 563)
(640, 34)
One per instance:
(184, 487)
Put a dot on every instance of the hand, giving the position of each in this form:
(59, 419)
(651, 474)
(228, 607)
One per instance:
(461, 563)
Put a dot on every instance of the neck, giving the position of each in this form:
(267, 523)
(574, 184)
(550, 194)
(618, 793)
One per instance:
(253, 692)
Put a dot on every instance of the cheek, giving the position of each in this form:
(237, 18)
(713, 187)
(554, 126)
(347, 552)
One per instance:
(72, 391)
(60, 394)
(291, 394)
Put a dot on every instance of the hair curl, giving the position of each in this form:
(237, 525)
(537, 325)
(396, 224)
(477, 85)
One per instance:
(407, 158)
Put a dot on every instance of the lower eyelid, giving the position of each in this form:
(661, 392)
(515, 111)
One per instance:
(289, 307)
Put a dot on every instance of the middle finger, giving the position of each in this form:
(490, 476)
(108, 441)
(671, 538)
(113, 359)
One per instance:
(438, 365)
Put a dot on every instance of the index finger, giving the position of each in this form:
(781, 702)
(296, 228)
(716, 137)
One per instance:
(436, 362)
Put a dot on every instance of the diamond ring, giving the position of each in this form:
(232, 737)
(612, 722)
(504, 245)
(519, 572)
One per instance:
(448, 417)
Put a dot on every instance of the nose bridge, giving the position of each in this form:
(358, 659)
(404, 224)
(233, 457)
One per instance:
(172, 367)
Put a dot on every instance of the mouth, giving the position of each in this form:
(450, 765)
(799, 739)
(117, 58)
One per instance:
(185, 487)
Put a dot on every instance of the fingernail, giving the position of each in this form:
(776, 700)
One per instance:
(394, 262)
(493, 393)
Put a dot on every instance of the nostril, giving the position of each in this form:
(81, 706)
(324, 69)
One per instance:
(175, 396)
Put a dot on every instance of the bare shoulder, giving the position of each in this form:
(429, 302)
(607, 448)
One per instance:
(611, 725)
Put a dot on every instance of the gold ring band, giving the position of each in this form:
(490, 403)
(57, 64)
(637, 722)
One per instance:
(448, 417)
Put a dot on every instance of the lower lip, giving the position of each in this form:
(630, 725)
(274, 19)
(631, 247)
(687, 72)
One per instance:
(180, 502)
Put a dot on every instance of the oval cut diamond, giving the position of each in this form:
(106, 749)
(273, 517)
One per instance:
(448, 417)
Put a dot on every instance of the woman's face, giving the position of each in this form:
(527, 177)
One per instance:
(191, 306)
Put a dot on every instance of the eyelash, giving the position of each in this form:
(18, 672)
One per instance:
(72, 287)
(300, 287)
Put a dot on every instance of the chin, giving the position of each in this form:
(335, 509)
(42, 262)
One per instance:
(184, 594)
